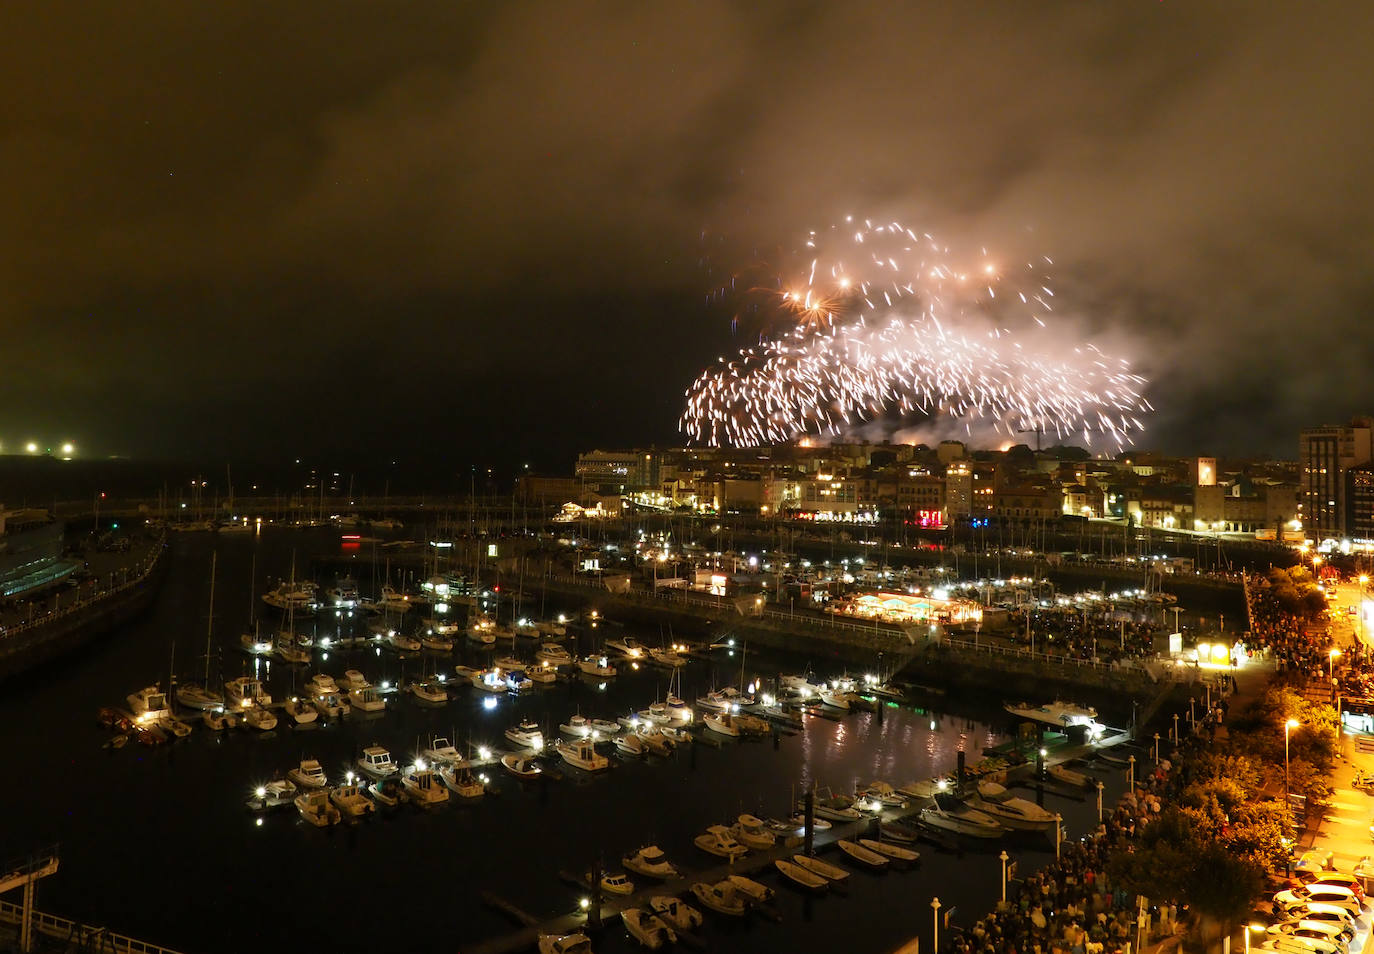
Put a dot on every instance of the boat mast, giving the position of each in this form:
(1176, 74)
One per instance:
(210, 620)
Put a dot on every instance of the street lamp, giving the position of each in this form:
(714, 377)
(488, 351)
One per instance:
(1156, 748)
(1099, 800)
(1192, 717)
(1130, 770)
(1058, 833)
(935, 906)
(1288, 727)
(1004, 857)
(1331, 663)
(1175, 736)
(1258, 928)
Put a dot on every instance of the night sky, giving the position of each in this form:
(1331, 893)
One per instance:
(413, 229)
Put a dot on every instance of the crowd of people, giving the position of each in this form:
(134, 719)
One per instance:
(1072, 906)
(1106, 635)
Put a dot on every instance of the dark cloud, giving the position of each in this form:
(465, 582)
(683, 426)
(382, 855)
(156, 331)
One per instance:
(399, 208)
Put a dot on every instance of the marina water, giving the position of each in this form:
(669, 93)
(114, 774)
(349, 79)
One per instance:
(157, 843)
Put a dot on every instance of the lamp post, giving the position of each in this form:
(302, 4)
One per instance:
(1004, 858)
(1258, 928)
(1156, 748)
(1288, 727)
(1192, 717)
(1331, 663)
(935, 906)
(1058, 833)
(1130, 772)
(1099, 801)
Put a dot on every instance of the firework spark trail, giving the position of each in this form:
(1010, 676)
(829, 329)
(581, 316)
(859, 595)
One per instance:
(885, 333)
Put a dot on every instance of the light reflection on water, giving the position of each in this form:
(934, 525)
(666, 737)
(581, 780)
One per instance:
(180, 808)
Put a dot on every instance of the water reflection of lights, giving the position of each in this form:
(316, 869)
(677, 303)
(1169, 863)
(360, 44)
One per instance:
(489, 702)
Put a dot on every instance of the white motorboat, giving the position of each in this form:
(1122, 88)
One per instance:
(657, 714)
(598, 666)
(330, 704)
(721, 897)
(423, 787)
(543, 674)
(465, 673)
(461, 781)
(675, 913)
(883, 792)
(823, 868)
(722, 723)
(367, 700)
(630, 745)
(836, 808)
(655, 741)
(441, 751)
(523, 768)
(836, 698)
(647, 929)
(277, 793)
(217, 720)
(956, 818)
(490, 680)
(320, 684)
(308, 774)
(578, 726)
(751, 890)
(526, 628)
(627, 646)
(289, 596)
(1018, 814)
(343, 594)
(441, 626)
(866, 856)
(243, 692)
(507, 663)
(650, 862)
(149, 706)
(1069, 777)
(796, 824)
(301, 711)
(350, 801)
(517, 681)
(526, 735)
(387, 792)
(728, 699)
(899, 856)
(753, 833)
(583, 755)
(258, 717)
(615, 884)
(667, 657)
(315, 808)
(1060, 714)
(391, 601)
(353, 679)
(796, 682)
(554, 654)
(800, 876)
(376, 762)
(431, 692)
(604, 728)
(718, 840)
(565, 944)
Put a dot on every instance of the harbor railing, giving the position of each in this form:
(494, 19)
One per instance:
(85, 935)
(129, 578)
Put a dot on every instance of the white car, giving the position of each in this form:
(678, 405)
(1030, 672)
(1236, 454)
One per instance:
(1322, 894)
(1294, 944)
(1321, 930)
(1317, 911)
(1333, 879)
